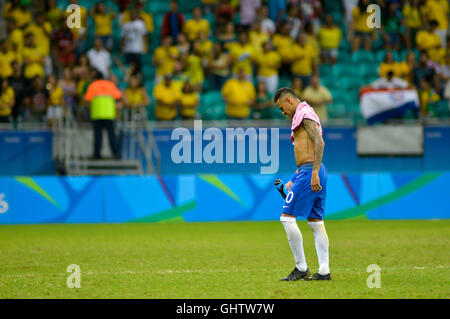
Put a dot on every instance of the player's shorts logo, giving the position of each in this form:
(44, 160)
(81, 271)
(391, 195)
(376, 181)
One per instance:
(289, 197)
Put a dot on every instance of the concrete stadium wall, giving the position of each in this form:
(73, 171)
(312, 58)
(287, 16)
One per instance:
(209, 197)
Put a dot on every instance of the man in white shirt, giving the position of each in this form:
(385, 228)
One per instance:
(267, 25)
(248, 10)
(389, 82)
(133, 37)
(100, 58)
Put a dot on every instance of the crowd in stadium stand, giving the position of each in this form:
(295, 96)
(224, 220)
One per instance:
(217, 59)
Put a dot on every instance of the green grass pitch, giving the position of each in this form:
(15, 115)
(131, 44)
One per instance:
(222, 260)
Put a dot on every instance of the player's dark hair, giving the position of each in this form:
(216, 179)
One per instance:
(282, 92)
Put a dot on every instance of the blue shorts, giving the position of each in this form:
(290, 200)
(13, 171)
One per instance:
(301, 200)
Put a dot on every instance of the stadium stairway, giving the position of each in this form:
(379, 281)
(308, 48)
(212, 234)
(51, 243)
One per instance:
(112, 167)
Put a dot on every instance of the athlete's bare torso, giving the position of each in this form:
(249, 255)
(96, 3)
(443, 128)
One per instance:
(303, 146)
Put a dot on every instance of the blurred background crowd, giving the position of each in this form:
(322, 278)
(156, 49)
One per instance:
(219, 59)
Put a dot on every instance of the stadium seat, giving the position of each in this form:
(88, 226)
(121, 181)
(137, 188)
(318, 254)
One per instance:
(284, 82)
(344, 44)
(325, 69)
(370, 78)
(362, 56)
(341, 95)
(342, 69)
(332, 6)
(348, 83)
(404, 53)
(336, 110)
(365, 69)
(337, 16)
(441, 108)
(344, 56)
(275, 113)
(328, 81)
(381, 55)
(212, 106)
(148, 71)
(158, 7)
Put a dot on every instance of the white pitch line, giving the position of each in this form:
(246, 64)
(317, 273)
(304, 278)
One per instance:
(169, 271)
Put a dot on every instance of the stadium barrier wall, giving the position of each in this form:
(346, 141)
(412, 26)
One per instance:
(340, 154)
(26, 153)
(30, 153)
(209, 197)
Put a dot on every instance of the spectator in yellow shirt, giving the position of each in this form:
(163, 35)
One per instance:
(164, 58)
(438, 10)
(226, 34)
(135, 95)
(21, 14)
(330, 36)
(192, 64)
(413, 20)
(268, 62)
(205, 47)
(136, 99)
(53, 13)
(408, 66)
(241, 54)
(55, 102)
(427, 97)
(219, 66)
(42, 30)
(239, 95)
(167, 95)
(312, 40)
(6, 101)
(257, 37)
(363, 33)
(103, 17)
(7, 57)
(390, 65)
(318, 96)
(9, 7)
(33, 59)
(15, 39)
(302, 57)
(189, 101)
(428, 40)
(283, 42)
(197, 24)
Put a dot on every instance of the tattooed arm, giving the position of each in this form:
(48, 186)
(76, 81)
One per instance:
(312, 129)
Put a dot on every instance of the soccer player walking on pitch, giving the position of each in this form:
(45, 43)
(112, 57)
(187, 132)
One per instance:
(307, 188)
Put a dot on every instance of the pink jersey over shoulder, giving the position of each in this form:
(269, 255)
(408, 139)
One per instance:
(303, 111)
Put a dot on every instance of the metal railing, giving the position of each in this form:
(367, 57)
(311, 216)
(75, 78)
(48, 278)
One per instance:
(68, 144)
(138, 141)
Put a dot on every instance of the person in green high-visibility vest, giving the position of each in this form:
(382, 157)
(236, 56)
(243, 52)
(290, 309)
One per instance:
(102, 94)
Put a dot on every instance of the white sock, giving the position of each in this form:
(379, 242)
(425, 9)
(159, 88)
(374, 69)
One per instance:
(321, 241)
(295, 239)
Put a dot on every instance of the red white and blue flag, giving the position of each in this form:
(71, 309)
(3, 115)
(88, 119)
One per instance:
(378, 105)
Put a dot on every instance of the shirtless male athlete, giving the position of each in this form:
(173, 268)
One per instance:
(307, 188)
